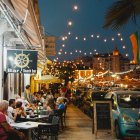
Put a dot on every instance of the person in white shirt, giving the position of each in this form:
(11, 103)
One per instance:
(11, 110)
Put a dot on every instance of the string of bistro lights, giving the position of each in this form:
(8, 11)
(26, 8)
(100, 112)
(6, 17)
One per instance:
(99, 37)
(71, 35)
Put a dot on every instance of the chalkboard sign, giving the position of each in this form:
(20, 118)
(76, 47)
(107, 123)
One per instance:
(102, 116)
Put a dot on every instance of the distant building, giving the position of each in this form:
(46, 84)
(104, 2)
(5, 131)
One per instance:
(114, 62)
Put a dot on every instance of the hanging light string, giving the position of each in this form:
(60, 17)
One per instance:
(94, 37)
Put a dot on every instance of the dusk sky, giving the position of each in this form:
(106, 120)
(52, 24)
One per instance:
(86, 21)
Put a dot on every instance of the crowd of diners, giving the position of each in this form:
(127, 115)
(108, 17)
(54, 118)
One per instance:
(27, 104)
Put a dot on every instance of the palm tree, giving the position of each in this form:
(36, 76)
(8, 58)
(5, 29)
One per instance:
(120, 12)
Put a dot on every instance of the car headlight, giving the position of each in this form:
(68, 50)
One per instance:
(126, 118)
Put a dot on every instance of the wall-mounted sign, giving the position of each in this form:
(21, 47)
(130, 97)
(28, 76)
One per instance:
(50, 45)
(21, 61)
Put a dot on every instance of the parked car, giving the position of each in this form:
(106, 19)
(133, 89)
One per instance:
(125, 110)
(98, 95)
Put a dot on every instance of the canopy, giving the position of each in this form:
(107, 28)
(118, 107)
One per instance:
(24, 12)
(48, 79)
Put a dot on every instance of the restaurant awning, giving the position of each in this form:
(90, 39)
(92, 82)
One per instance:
(25, 16)
(48, 79)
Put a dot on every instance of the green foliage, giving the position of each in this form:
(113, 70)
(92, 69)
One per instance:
(120, 12)
(67, 73)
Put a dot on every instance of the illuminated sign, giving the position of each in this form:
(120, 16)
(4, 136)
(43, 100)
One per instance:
(21, 61)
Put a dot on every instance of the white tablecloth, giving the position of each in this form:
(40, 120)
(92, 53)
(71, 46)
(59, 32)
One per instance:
(26, 125)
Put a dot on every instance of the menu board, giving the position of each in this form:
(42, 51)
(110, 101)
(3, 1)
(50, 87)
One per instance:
(103, 116)
(102, 120)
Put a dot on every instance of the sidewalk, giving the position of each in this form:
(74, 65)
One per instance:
(79, 127)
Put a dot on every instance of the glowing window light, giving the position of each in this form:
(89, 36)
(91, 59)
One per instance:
(95, 50)
(105, 40)
(92, 36)
(90, 52)
(85, 53)
(112, 39)
(69, 33)
(75, 50)
(65, 52)
(66, 37)
(71, 53)
(80, 51)
(121, 39)
(59, 53)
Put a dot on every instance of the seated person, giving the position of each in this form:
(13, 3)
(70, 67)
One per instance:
(20, 111)
(10, 112)
(60, 103)
(6, 131)
(49, 106)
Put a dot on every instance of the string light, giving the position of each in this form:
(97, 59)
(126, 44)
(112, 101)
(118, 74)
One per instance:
(63, 38)
(119, 34)
(84, 39)
(105, 40)
(76, 37)
(127, 55)
(59, 53)
(63, 45)
(98, 36)
(112, 39)
(69, 33)
(69, 23)
(124, 47)
(75, 8)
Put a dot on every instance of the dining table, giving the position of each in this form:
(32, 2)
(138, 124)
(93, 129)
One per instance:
(29, 126)
(35, 118)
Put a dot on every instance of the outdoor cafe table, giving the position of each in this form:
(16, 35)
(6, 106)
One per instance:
(29, 125)
(36, 118)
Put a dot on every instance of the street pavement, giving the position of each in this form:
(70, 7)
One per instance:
(79, 127)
